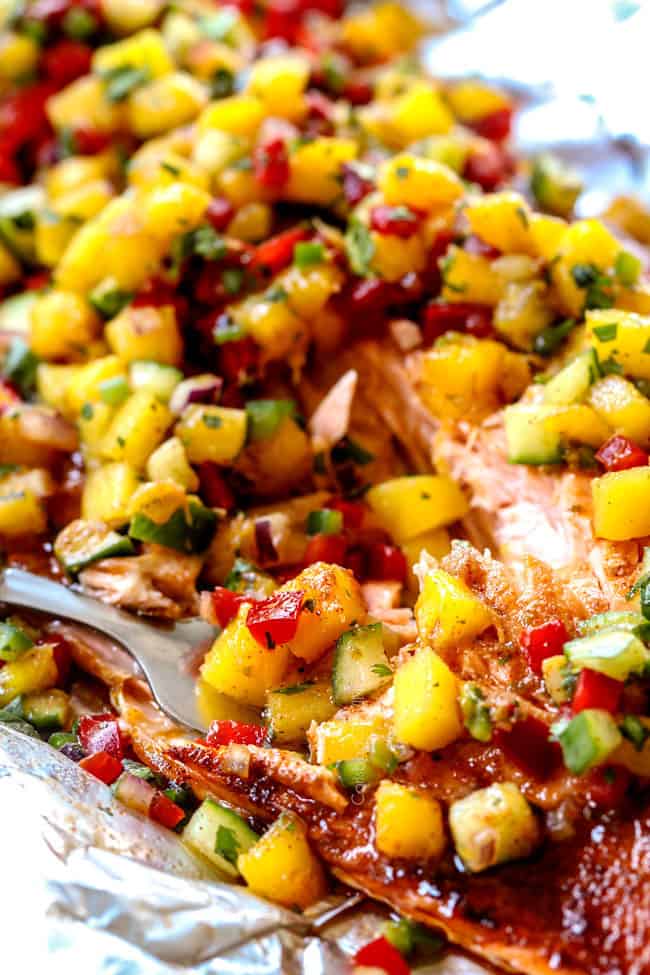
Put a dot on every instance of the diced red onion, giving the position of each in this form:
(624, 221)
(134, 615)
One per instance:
(198, 389)
(266, 550)
(135, 792)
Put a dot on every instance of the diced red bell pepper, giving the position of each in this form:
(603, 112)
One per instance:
(9, 171)
(36, 281)
(357, 91)
(226, 603)
(488, 166)
(386, 562)
(277, 252)
(439, 317)
(65, 61)
(271, 164)
(88, 142)
(372, 295)
(275, 620)
(219, 213)
(103, 766)
(101, 733)
(228, 732)
(282, 19)
(540, 642)
(165, 812)
(213, 488)
(22, 115)
(355, 186)
(356, 560)
(326, 548)
(620, 453)
(607, 785)
(495, 126)
(595, 690)
(401, 222)
(380, 953)
(527, 745)
(239, 359)
(353, 512)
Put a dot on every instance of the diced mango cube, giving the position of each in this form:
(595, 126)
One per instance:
(83, 103)
(408, 506)
(282, 867)
(137, 428)
(621, 502)
(502, 220)
(492, 826)
(165, 103)
(237, 115)
(337, 603)
(107, 492)
(315, 169)
(427, 713)
(63, 325)
(622, 336)
(448, 612)
(35, 670)
(145, 49)
(279, 82)
(21, 513)
(213, 433)
(146, 333)
(407, 180)
(408, 823)
(622, 407)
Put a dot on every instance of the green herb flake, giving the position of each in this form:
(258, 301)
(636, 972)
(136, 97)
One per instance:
(276, 294)
(523, 216)
(227, 844)
(295, 688)
(121, 81)
(359, 247)
(207, 243)
(606, 333)
(222, 83)
(382, 670)
(169, 168)
(232, 280)
(87, 411)
(635, 731)
(211, 421)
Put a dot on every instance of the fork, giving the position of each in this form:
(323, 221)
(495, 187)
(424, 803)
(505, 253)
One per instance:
(163, 653)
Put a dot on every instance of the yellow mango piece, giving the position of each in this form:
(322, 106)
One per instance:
(523, 312)
(546, 234)
(421, 183)
(502, 220)
(146, 333)
(579, 424)
(408, 506)
(448, 612)
(418, 113)
(21, 513)
(10, 270)
(129, 16)
(163, 166)
(167, 211)
(635, 299)
(137, 428)
(620, 404)
(240, 187)
(408, 823)
(252, 222)
(622, 336)
(492, 826)
(279, 81)
(427, 714)
(63, 325)
(470, 277)
(84, 382)
(621, 501)
(337, 603)
(282, 867)
(315, 170)
(214, 433)
(86, 201)
(107, 492)
(435, 542)
(158, 500)
(583, 242)
(394, 257)
(271, 321)
(35, 670)
(239, 666)
(93, 423)
(18, 55)
(75, 171)
(83, 103)
(310, 288)
(144, 49)
(165, 103)
(52, 382)
(278, 462)
(237, 115)
(169, 463)
(343, 738)
(471, 100)
(52, 235)
(379, 31)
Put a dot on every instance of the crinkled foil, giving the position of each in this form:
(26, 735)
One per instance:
(89, 887)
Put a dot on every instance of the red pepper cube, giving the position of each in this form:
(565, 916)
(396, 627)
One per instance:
(380, 953)
(165, 812)
(326, 548)
(608, 785)
(399, 221)
(226, 603)
(353, 513)
(495, 126)
(527, 746)
(271, 164)
(66, 60)
(213, 488)
(446, 316)
(488, 166)
(595, 690)
(540, 642)
(277, 252)
(227, 732)
(386, 562)
(275, 620)
(103, 766)
(219, 213)
(101, 733)
(620, 453)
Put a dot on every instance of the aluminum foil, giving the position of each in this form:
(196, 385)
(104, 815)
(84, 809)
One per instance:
(89, 887)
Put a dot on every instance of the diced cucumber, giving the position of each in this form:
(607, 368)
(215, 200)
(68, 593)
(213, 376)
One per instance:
(476, 713)
(616, 653)
(587, 740)
(529, 439)
(84, 542)
(20, 365)
(18, 211)
(357, 771)
(185, 531)
(156, 378)
(572, 383)
(108, 298)
(14, 641)
(324, 521)
(615, 620)
(47, 710)
(265, 416)
(16, 313)
(555, 185)
(220, 834)
(360, 663)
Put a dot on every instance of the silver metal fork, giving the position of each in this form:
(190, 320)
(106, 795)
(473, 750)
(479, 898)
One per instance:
(163, 653)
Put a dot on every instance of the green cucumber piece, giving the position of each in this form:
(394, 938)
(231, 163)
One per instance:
(114, 391)
(616, 653)
(16, 313)
(266, 415)
(84, 542)
(528, 437)
(18, 211)
(156, 378)
(47, 710)
(185, 531)
(360, 663)
(62, 738)
(476, 713)
(20, 365)
(108, 298)
(616, 620)
(572, 383)
(220, 834)
(324, 521)
(353, 772)
(13, 642)
(587, 740)
(555, 185)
